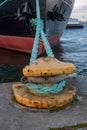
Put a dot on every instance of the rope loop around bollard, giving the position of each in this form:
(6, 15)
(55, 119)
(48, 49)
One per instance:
(38, 23)
(42, 89)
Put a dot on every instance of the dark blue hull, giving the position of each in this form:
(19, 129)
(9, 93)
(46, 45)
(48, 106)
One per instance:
(15, 16)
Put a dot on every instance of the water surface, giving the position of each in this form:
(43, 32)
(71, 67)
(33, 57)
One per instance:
(71, 48)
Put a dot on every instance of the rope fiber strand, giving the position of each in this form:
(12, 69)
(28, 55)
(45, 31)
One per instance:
(39, 88)
(2, 3)
(38, 22)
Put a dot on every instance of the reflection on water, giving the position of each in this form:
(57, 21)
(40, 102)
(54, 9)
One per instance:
(11, 63)
(10, 73)
(72, 48)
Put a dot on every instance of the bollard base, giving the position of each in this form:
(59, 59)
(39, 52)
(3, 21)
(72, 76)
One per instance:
(26, 98)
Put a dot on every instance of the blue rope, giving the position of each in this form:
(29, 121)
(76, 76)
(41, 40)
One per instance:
(39, 34)
(39, 88)
(42, 89)
(34, 53)
(2, 3)
(47, 45)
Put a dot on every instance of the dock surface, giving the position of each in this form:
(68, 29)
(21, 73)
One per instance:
(14, 116)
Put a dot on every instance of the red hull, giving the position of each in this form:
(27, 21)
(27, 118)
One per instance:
(24, 44)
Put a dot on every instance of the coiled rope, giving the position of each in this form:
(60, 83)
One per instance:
(39, 88)
(42, 89)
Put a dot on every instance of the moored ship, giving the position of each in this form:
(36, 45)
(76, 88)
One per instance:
(16, 31)
(74, 24)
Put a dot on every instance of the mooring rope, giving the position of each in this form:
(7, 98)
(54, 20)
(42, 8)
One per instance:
(39, 88)
(42, 89)
(38, 22)
(2, 3)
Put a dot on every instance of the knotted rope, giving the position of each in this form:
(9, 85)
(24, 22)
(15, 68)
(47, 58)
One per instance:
(38, 22)
(39, 34)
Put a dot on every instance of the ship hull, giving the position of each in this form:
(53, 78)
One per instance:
(25, 44)
(16, 33)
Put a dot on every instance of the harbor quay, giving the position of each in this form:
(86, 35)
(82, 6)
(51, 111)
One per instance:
(14, 116)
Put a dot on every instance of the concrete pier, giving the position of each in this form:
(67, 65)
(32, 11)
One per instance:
(14, 116)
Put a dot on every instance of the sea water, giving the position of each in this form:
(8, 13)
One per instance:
(74, 43)
(71, 48)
